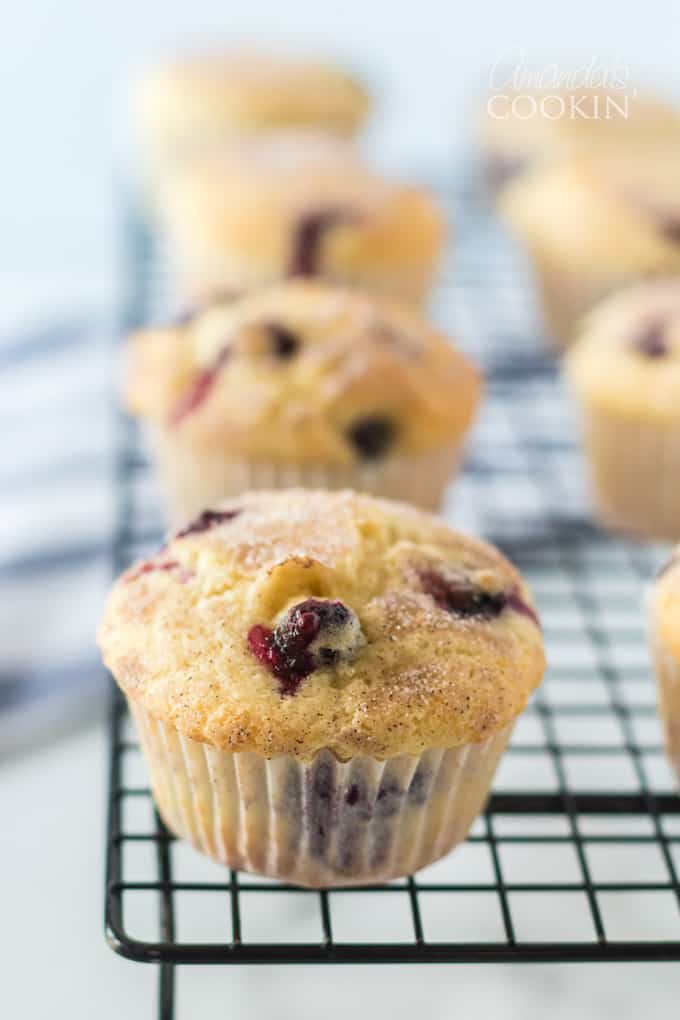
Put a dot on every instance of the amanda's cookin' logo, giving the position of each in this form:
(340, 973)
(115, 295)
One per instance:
(596, 91)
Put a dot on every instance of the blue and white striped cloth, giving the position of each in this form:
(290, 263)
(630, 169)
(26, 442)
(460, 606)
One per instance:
(56, 479)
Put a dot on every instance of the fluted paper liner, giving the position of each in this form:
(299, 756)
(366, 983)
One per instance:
(194, 479)
(319, 823)
(635, 472)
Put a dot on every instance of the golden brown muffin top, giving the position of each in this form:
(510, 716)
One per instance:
(627, 357)
(208, 97)
(603, 213)
(287, 622)
(300, 204)
(307, 372)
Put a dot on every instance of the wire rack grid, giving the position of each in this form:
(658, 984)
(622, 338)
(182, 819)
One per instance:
(578, 853)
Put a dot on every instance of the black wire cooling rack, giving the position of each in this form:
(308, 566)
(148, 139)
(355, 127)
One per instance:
(578, 853)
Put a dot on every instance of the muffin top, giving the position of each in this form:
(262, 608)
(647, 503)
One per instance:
(546, 124)
(304, 371)
(204, 98)
(627, 358)
(602, 212)
(296, 204)
(287, 622)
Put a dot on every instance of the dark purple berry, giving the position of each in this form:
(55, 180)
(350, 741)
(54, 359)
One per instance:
(460, 597)
(199, 388)
(372, 437)
(314, 634)
(206, 520)
(515, 601)
(390, 797)
(284, 343)
(652, 342)
(321, 806)
(664, 216)
(421, 782)
(150, 567)
(457, 595)
(353, 795)
(308, 236)
(669, 224)
(288, 670)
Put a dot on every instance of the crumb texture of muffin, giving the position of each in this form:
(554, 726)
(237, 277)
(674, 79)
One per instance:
(295, 622)
(191, 106)
(665, 642)
(625, 373)
(593, 225)
(299, 205)
(302, 384)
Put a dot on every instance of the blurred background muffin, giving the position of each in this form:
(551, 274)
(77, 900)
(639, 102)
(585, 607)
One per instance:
(524, 129)
(625, 372)
(302, 384)
(299, 205)
(196, 105)
(592, 225)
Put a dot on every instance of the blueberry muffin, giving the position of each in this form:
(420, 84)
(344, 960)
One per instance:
(323, 682)
(299, 206)
(595, 225)
(664, 633)
(302, 384)
(625, 373)
(197, 105)
(527, 128)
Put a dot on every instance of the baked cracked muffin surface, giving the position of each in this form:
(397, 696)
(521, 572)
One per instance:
(293, 204)
(627, 358)
(289, 622)
(605, 213)
(307, 372)
(191, 104)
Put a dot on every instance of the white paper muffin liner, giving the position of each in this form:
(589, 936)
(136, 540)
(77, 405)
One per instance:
(668, 686)
(320, 823)
(635, 472)
(193, 479)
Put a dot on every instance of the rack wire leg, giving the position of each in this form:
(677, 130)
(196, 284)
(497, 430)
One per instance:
(166, 991)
